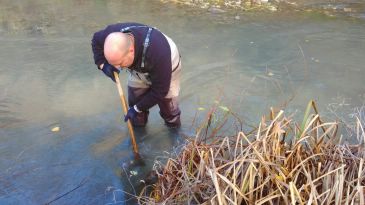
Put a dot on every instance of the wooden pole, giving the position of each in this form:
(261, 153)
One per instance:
(125, 110)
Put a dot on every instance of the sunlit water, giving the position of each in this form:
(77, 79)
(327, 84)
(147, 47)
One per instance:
(247, 62)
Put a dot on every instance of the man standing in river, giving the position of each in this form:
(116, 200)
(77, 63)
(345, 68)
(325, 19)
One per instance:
(153, 62)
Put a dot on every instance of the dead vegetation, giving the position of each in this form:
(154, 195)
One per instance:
(278, 162)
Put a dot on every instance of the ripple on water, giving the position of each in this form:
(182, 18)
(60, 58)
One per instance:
(8, 118)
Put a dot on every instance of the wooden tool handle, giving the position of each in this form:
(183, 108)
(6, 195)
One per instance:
(125, 110)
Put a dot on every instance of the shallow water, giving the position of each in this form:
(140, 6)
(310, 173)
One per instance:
(249, 62)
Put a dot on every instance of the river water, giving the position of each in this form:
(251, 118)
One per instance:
(246, 62)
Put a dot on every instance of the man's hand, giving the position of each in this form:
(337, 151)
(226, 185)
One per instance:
(108, 70)
(131, 114)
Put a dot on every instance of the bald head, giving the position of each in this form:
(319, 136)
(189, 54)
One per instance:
(116, 47)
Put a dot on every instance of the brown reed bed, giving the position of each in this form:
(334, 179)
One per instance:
(278, 162)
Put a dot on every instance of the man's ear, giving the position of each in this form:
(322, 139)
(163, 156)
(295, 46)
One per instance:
(131, 48)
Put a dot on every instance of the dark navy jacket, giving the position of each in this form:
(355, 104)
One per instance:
(157, 59)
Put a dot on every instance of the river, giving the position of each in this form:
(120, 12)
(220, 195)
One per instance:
(62, 139)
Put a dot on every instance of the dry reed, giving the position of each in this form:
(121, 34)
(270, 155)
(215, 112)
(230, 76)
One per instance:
(279, 162)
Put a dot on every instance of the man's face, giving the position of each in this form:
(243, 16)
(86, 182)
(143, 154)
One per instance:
(127, 60)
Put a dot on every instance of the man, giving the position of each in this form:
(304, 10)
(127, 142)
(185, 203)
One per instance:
(153, 62)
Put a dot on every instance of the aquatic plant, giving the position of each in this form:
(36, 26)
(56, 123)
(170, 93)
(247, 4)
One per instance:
(278, 162)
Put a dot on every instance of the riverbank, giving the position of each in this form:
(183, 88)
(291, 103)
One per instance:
(215, 6)
(278, 162)
(348, 8)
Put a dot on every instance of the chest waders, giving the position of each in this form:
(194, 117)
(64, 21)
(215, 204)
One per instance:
(169, 109)
(142, 76)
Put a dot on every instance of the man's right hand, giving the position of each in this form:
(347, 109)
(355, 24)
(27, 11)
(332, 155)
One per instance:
(108, 70)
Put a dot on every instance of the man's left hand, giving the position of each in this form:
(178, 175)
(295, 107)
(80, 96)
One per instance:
(132, 113)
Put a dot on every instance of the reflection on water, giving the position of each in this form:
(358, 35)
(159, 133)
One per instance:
(47, 79)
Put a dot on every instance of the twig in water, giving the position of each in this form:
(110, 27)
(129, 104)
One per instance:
(78, 186)
(128, 178)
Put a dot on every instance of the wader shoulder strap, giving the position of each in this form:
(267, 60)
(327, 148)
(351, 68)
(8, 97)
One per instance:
(146, 40)
(145, 45)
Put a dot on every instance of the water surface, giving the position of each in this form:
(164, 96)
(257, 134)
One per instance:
(247, 62)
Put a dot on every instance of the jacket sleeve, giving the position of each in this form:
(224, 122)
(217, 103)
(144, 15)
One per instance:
(97, 44)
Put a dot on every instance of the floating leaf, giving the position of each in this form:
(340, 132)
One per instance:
(270, 74)
(55, 129)
(201, 108)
